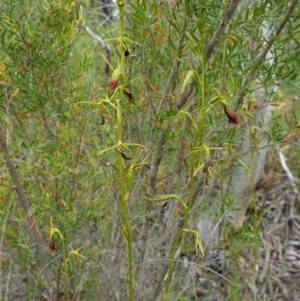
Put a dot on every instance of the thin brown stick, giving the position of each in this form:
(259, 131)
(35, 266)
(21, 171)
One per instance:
(220, 30)
(31, 221)
(7, 186)
(7, 282)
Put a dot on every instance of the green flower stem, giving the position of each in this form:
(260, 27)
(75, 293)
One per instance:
(52, 232)
(187, 7)
(184, 224)
(127, 234)
(198, 136)
(66, 276)
(121, 6)
(251, 174)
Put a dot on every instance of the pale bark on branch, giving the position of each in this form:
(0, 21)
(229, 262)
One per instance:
(106, 47)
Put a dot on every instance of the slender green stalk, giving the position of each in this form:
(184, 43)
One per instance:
(64, 249)
(127, 232)
(251, 172)
(187, 7)
(254, 200)
(199, 135)
(121, 5)
(66, 290)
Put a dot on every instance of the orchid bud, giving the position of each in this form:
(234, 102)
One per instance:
(115, 78)
(120, 3)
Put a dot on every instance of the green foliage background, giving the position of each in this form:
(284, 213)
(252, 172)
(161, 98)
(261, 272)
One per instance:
(53, 93)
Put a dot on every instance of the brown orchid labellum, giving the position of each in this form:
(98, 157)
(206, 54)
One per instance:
(129, 96)
(126, 51)
(51, 243)
(233, 118)
(123, 154)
